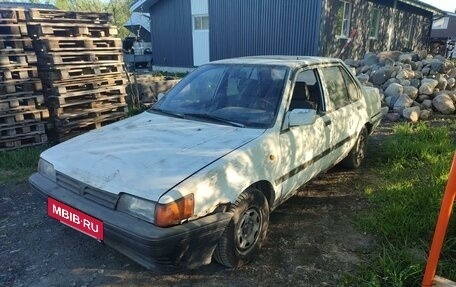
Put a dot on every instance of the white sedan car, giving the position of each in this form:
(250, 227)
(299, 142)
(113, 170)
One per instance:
(196, 176)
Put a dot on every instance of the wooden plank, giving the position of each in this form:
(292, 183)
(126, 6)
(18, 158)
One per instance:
(17, 60)
(60, 16)
(23, 117)
(85, 57)
(36, 30)
(28, 140)
(12, 15)
(70, 87)
(27, 102)
(16, 44)
(72, 44)
(15, 130)
(442, 282)
(16, 30)
(85, 96)
(67, 72)
(21, 73)
(20, 86)
(88, 111)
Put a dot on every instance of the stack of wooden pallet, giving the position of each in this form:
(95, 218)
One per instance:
(80, 65)
(22, 116)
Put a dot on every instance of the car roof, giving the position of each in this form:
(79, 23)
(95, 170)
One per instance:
(290, 61)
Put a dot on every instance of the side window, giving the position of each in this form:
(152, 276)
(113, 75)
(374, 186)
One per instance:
(353, 90)
(306, 92)
(335, 87)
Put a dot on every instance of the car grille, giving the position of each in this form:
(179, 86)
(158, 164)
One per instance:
(96, 195)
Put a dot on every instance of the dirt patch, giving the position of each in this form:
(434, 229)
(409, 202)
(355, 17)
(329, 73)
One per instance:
(311, 241)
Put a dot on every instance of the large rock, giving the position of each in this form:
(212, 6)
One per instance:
(352, 63)
(370, 59)
(425, 114)
(363, 78)
(393, 55)
(442, 83)
(444, 104)
(405, 58)
(411, 91)
(405, 74)
(451, 82)
(380, 76)
(427, 104)
(437, 66)
(412, 114)
(415, 82)
(393, 117)
(384, 111)
(402, 102)
(428, 86)
(394, 90)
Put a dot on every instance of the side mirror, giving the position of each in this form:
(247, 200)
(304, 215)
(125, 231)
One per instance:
(301, 117)
(160, 96)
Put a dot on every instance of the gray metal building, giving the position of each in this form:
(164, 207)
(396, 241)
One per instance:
(188, 33)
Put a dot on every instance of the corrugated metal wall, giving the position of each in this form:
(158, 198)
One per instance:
(263, 27)
(171, 32)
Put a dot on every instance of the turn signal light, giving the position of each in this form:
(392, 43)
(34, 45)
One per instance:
(173, 213)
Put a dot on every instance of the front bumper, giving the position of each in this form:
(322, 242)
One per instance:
(165, 250)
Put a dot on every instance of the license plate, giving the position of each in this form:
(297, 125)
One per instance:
(75, 219)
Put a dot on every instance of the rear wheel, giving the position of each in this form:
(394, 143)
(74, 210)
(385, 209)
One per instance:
(356, 156)
(246, 231)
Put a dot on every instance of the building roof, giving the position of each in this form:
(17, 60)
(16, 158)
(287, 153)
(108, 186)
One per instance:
(144, 5)
(26, 5)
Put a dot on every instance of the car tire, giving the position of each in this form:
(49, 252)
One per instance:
(246, 231)
(356, 156)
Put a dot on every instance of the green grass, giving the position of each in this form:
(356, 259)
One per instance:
(414, 163)
(17, 165)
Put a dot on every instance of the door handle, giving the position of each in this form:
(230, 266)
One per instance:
(327, 123)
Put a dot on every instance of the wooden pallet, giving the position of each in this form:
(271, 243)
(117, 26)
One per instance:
(23, 117)
(72, 58)
(20, 86)
(87, 96)
(15, 44)
(13, 30)
(20, 73)
(36, 30)
(87, 111)
(73, 44)
(10, 15)
(27, 102)
(74, 87)
(59, 73)
(17, 59)
(28, 140)
(18, 130)
(59, 16)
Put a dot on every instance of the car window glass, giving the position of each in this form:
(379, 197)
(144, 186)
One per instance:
(335, 87)
(352, 88)
(306, 93)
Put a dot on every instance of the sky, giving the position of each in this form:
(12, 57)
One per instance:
(445, 5)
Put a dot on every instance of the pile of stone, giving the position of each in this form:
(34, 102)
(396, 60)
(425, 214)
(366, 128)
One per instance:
(412, 85)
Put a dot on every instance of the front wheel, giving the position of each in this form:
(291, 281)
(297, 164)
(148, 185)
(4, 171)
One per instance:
(246, 231)
(356, 156)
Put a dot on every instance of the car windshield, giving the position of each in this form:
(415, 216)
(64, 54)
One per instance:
(239, 95)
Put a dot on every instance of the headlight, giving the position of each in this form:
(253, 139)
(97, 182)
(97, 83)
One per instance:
(138, 207)
(162, 215)
(46, 169)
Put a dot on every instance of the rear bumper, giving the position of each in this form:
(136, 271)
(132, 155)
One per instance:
(160, 249)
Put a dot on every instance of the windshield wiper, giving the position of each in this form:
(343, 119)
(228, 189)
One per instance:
(168, 113)
(215, 118)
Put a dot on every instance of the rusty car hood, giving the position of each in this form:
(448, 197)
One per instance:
(145, 155)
